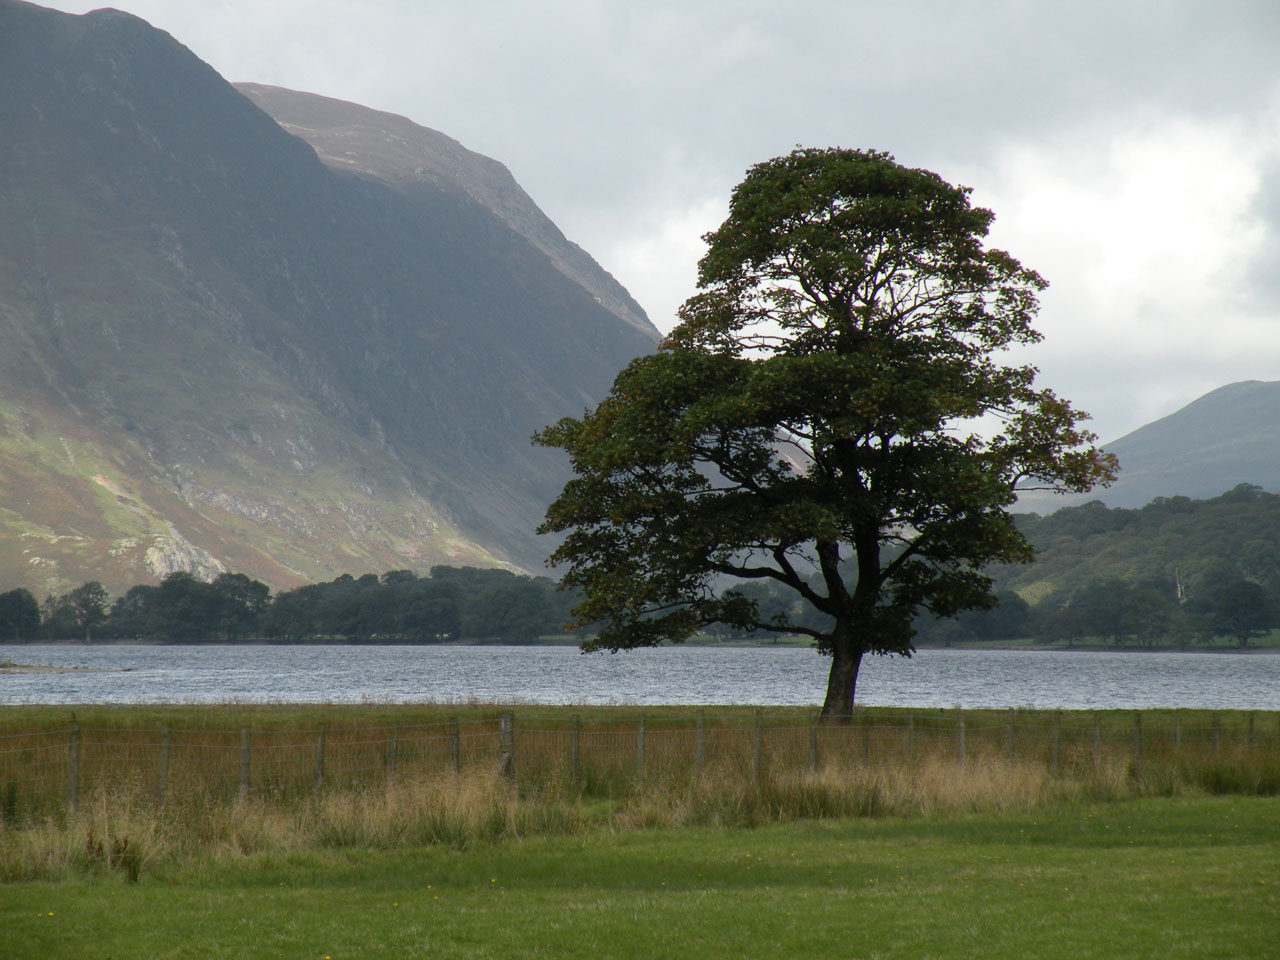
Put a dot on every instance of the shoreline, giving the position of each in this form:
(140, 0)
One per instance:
(9, 666)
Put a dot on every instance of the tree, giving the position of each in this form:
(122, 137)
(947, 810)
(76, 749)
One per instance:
(131, 613)
(836, 399)
(88, 603)
(241, 602)
(1233, 607)
(19, 614)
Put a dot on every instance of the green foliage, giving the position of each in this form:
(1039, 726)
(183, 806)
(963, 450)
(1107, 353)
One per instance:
(812, 423)
(19, 614)
(453, 603)
(1174, 571)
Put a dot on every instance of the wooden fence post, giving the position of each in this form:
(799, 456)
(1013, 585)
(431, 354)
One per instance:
(455, 745)
(318, 772)
(162, 766)
(73, 767)
(575, 770)
(640, 748)
(1057, 742)
(393, 750)
(700, 741)
(757, 748)
(246, 752)
(507, 745)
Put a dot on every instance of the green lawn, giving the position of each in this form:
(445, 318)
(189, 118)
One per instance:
(1167, 878)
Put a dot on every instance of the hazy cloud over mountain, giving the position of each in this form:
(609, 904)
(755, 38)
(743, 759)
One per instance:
(1131, 151)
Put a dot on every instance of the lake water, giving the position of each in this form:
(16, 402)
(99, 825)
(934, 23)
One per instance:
(673, 675)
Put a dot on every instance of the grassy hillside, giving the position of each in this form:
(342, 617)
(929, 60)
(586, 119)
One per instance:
(223, 354)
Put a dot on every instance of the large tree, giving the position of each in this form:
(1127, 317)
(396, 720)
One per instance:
(19, 614)
(837, 412)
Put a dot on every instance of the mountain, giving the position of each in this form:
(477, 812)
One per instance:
(396, 151)
(223, 351)
(1227, 437)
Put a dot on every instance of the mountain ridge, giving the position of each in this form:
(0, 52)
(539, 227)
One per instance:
(393, 149)
(1224, 438)
(224, 354)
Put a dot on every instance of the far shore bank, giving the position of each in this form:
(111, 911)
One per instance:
(787, 643)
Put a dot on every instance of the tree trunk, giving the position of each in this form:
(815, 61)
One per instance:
(843, 681)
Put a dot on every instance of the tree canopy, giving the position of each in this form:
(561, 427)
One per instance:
(836, 413)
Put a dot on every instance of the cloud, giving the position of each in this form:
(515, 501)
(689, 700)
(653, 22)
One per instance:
(1149, 229)
(660, 256)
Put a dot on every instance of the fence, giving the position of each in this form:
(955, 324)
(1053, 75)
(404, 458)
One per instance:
(45, 773)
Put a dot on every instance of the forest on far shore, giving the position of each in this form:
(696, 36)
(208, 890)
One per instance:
(1176, 572)
(453, 603)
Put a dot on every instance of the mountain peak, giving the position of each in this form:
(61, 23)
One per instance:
(224, 353)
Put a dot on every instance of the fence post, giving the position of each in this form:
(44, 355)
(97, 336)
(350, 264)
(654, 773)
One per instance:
(1057, 741)
(507, 745)
(1008, 736)
(318, 777)
(757, 748)
(813, 743)
(960, 735)
(162, 767)
(455, 745)
(574, 756)
(246, 749)
(700, 741)
(640, 748)
(1217, 735)
(73, 767)
(393, 750)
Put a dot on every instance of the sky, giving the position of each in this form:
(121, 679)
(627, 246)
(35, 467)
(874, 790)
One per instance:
(1130, 150)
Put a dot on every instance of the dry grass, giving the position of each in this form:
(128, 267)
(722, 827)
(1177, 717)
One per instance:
(150, 797)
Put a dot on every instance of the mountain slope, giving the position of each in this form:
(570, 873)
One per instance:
(412, 158)
(1227, 437)
(222, 353)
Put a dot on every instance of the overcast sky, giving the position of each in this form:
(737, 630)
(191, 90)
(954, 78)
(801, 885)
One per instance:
(1130, 151)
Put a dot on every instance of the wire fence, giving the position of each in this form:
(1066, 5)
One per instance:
(48, 772)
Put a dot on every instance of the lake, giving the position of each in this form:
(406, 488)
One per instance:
(783, 676)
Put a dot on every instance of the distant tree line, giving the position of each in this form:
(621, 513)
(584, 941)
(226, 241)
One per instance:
(1175, 572)
(452, 603)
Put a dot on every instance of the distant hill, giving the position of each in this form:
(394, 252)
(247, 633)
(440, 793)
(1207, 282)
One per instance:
(1227, 437)
(222, 351)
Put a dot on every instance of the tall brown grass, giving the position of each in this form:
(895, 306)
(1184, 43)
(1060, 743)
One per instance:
(125, 833)
(440, 783)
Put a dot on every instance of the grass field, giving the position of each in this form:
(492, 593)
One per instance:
(917, 834)
(1165, 877)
